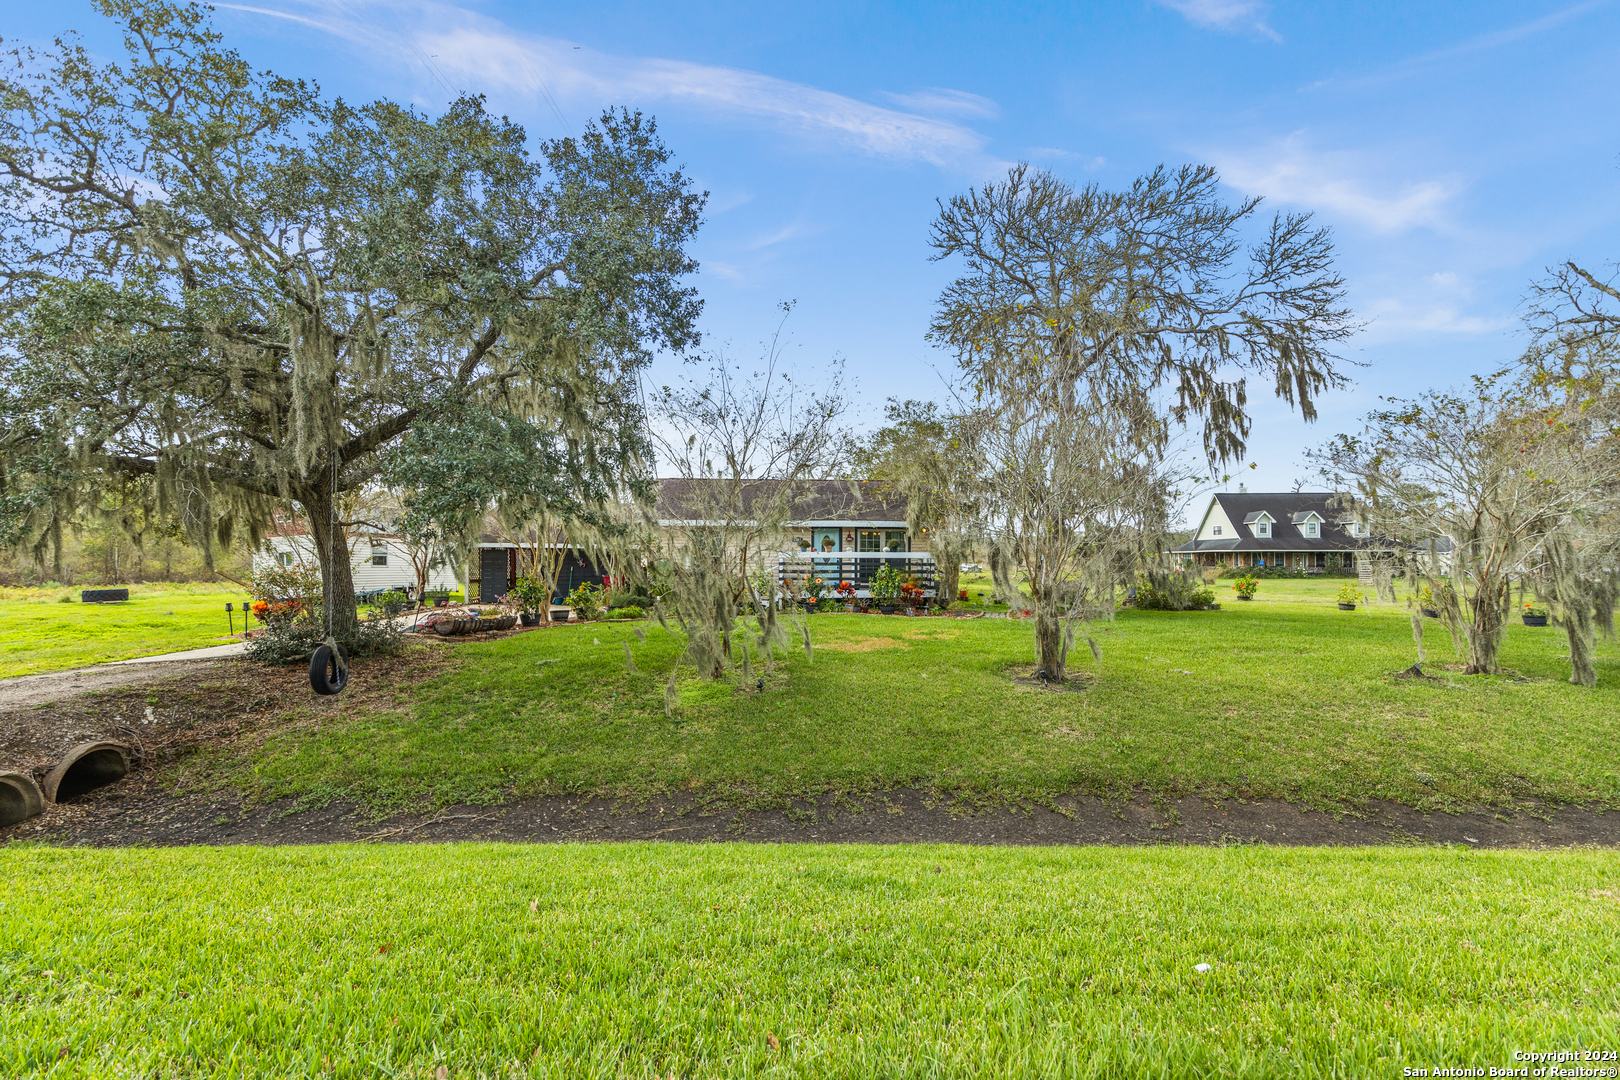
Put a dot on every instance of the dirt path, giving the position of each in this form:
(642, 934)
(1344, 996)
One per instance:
(27, 691)
(138, 815)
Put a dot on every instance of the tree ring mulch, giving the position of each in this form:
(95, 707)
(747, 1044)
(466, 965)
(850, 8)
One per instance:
(1024, 675)
(1415, 672)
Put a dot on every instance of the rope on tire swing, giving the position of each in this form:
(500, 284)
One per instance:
(329, 667)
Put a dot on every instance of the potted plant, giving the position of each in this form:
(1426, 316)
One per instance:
(1424, 600)
(530, 595)
(814, 589)
(1245, 586)
(1349, 595)
(885, 586)
(846, 593)
(586, 600)
(912, 593)
(1534, 615)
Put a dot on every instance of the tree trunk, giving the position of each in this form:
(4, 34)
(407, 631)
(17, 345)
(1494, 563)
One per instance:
(337, 575)
(947, 571)
(1049, 640)
(1488, 618)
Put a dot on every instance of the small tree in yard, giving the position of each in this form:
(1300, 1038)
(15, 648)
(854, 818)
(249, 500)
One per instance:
(922, 455)
(1469, 493)
(741, 446)
(1571, 383)
(1077, 311)
(223, 282)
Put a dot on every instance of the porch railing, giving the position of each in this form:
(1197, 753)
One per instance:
(856, 567)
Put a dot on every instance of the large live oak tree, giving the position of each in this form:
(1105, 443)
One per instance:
(219, 280)
(1089, 325)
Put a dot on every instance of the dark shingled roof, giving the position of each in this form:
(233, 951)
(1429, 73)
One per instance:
(680, 499)
(1288, 510)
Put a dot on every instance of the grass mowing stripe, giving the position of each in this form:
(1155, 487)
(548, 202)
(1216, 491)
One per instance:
(643, 960)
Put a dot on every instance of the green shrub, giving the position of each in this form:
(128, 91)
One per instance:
(629, 611)
(963, 605)
(1283, 572)
(632, 597)
(586, 600)
(1173, 590)
(285, 640)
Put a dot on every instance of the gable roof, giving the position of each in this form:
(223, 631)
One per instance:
(1289, 512)
(854, 501)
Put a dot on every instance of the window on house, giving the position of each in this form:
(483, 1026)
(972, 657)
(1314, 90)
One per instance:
(1262, 528)
(869, 540)
(1217, 530)
(285, 558)
(379, 553)
(895, 540)
(1313, 529)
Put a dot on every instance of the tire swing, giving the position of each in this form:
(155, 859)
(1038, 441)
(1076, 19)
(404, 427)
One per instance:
(329, 667)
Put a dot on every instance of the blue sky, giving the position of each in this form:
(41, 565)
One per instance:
(1455, 149)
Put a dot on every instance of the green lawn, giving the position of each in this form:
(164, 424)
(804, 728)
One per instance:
(1283, 697)
(726, 961)
(39, 632)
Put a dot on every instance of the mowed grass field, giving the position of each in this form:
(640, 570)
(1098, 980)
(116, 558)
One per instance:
(39, 632)
(740, 960)
(1285, 697)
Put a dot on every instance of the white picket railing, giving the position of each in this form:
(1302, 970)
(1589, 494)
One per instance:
(837, 567)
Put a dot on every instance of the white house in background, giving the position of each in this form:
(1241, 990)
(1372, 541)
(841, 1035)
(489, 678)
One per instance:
(377, 560)
(1303, 530)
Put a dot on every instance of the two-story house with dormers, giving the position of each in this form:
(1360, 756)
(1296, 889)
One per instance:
(1297, 529)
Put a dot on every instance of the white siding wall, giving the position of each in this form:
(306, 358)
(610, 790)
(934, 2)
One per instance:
(1216, 516)
(367, 575)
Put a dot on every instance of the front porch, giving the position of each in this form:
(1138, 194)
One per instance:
(1292, 560)
(855, 567)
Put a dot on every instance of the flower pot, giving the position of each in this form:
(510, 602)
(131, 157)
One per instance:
(441, 601)
(1535, 620)
(1242, 597)
(886, 609)
(560, 615)
(1347, 607)
(529, 618)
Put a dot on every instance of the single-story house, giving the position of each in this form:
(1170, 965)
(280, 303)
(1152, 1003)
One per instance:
(493, 570)
(378, 560)
(854, 526)
(837, 530)
(1296, 529)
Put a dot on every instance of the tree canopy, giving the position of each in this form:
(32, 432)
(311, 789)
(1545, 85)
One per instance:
(218, 280)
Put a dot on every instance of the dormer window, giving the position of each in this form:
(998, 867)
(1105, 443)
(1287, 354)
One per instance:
(1262, 528)
(1313, 529)
(1217, 530)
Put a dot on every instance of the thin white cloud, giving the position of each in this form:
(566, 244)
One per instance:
(1479, 43)
(791, 231)
(1290, 172)
(1393, 318)
(1225, 14)
(465, 50)
(937, 101)
(1089, 162)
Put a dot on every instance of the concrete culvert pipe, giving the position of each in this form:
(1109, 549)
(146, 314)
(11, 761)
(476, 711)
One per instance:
(20, 798)
(84, 768)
